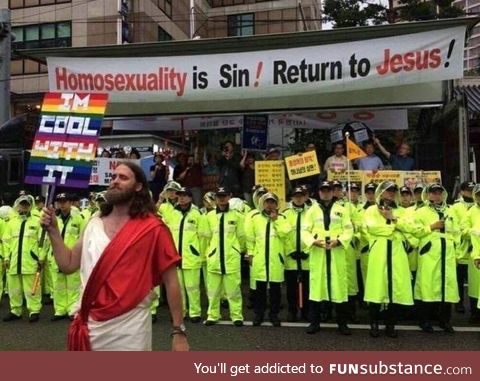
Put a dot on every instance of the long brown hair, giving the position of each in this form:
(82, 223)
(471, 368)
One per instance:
(142, 203)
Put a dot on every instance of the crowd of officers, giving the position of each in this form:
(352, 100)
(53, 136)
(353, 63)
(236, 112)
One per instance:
(397, 252)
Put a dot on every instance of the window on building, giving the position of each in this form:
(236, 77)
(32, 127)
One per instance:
(227, 3)
(241, 25)
(38, 36)
(16, 4)
(166, 7)
(163, 35)
(42, 35)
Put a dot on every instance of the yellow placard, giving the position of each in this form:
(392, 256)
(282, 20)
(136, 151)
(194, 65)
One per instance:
(302, 165)
(379, 176)
(412, 178)
(401, 178)
(342, 176)
(271, 174)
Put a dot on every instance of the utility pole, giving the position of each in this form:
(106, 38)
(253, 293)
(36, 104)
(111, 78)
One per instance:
(5, 52)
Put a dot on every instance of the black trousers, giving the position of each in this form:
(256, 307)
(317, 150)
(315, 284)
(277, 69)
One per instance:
(291, 279)
(473, 307)
(275, 291)
(361, 286)
(462, 278)
(389, 315)
(443, 311)
(341, 312)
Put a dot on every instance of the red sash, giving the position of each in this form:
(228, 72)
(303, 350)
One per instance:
(130, 266)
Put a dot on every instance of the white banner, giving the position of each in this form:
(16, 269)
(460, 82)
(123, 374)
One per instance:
(367, 64)
(103, 168)
(375, 119)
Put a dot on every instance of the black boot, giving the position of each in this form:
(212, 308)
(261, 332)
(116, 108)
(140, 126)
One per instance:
(391, 332)
(426, 327)
(374, 330)
(343, 329)
(258, 320)
(447, 327)
(313, 328)
(11, 317)
(352, 304)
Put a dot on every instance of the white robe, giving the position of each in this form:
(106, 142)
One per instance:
(131, 331)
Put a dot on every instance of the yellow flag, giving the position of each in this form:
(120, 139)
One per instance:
(354, 151)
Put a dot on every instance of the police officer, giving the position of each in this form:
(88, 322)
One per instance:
(187, 224)
(23, 260)
(388, 277)
(267, 257)
(2, 268)
(297, 276)
(169, 197)
(436, 280)
(66, 287)
(327, 234)
(409, 207)
(354, 208)
(225, 241)
(91, 208)
(369, 196)
(472, 228)
(406, 197)
(208, 202)
(338, 194)
(39, 203)
(458, 211)
(417, 195)
(257, 192)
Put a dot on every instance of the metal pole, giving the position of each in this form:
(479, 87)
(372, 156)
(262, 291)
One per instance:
(192, 19)
(473, 165)
(463, 139)
(5, 47)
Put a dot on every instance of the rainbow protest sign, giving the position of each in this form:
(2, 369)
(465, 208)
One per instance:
(67, 138)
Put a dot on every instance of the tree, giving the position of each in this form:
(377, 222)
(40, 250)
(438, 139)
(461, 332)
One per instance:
(417, 10)
(349, 13)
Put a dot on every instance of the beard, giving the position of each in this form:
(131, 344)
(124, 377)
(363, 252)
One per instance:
(115, 196)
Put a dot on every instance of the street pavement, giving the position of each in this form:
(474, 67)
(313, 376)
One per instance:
(51, 336)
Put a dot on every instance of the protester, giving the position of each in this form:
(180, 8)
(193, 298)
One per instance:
(188, 173)
(158, 174)
(371, 162)
(247, 164)
(273, 154)
(229, 167)
(401, 161)
(338, 162)
(116, 281)
(210, 174)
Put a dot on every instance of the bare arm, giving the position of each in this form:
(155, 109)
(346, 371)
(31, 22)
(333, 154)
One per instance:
(68, 260)
(244, 157)
(174, 297)
(382, 148)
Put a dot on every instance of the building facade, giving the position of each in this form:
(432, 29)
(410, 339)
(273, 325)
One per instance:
(472, 50)
(78, 23)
